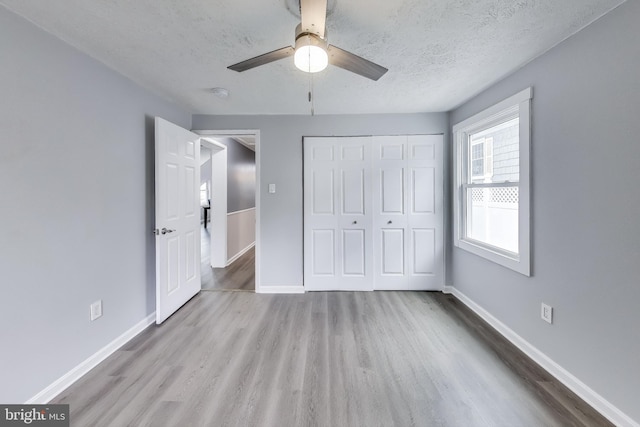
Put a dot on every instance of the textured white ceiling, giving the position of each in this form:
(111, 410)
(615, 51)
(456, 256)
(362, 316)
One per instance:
(439, 52)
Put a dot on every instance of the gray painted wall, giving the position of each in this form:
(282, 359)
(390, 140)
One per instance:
(241, 176)
(205, 164)
(281, 164)
(586, 237)
(77, 186)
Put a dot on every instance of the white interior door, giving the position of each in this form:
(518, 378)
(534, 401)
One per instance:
(177, 217)
(337, 218)
(408, 212)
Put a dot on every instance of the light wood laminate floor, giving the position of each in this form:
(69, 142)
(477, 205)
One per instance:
(322, 359)
(239, 276)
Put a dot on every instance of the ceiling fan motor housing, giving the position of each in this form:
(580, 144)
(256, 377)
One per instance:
(314, 38)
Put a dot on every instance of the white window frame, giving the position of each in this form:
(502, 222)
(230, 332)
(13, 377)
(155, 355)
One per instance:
(519, 103)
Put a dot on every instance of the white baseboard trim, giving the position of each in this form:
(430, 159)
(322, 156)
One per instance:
(295, 289)
(239, 254)
(587, 394)
(62, 383)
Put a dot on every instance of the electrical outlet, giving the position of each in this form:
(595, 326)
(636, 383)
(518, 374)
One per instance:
(96, 310)
(546, 313)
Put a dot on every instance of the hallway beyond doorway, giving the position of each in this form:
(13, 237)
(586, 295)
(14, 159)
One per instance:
(239, 276)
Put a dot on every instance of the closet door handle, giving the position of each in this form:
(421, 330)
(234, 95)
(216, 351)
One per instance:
(389, 222)
(355, 222)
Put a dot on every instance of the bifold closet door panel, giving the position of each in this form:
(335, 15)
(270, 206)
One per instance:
(337, 221)
(426, 211)
(408, 218)
(389, 203)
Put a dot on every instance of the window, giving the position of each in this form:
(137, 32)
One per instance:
(491, 183)
(204, 194)
(481, 158)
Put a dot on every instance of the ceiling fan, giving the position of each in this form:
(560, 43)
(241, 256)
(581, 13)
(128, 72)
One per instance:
(312, 53)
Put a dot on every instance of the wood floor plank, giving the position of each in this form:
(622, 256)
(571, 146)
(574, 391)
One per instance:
(239, 276)
(322, 359)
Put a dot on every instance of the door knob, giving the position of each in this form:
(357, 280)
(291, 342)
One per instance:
(166, 231)
(389, 222)
(355, 222)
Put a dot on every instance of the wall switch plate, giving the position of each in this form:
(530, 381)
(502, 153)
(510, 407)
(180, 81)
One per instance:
(272, 188)
(96, 310)
(546, 313)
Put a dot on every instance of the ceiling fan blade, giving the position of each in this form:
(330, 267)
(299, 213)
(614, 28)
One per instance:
(262, 59)
(354, 63)
(314, 16)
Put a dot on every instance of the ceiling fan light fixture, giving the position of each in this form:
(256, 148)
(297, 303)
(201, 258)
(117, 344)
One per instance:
(311, 51)
(311, 55)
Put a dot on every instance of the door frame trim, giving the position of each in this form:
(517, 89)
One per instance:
(218, 249)
(212, 133)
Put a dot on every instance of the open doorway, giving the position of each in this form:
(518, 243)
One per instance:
(234, 223)
(213, 208)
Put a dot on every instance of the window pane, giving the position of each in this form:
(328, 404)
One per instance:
(497, 158)
(477, 168)
(492, 216)
(477, 160)
(204, 195)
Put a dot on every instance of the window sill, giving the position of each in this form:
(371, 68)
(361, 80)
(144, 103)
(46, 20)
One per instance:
(506, 259)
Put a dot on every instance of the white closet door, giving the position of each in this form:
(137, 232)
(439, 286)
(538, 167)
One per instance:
(408, 212)
(337, 218)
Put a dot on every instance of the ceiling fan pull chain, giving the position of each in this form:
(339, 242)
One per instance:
(310, 76)
(311, 93)
(313, 98)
